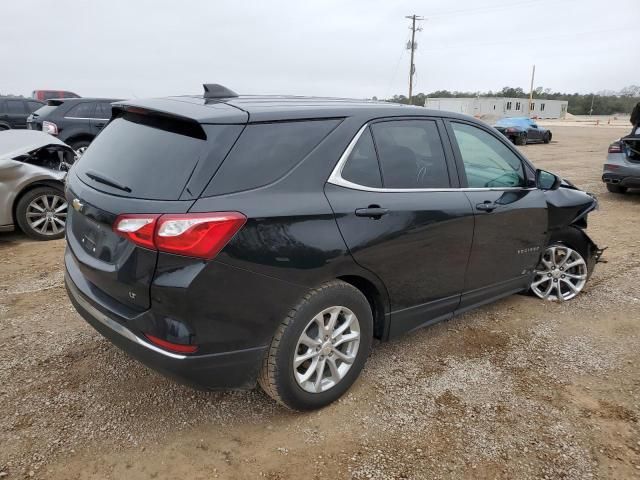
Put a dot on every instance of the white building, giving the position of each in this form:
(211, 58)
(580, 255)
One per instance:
(500, 107)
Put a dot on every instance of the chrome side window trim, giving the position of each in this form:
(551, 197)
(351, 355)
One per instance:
(87, 118)
(336, 177)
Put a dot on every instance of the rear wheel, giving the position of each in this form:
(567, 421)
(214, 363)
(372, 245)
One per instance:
(522, 139)
(41, 213)
(616, 188)
(320, 348)
(80, 146)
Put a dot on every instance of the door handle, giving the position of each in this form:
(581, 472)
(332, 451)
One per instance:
(372, 211)
(486, 206)
(100, 125)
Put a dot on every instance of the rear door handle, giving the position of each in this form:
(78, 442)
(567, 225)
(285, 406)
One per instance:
(486, 206)
(372, 211)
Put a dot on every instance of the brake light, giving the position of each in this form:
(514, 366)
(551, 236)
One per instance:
(200, 235)
(615, 147)
(172, 347)
(138, 228)
(50, 128)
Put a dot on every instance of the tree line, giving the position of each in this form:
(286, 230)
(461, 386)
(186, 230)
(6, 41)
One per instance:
(605, 102)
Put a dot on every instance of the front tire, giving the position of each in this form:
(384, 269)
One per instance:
(616, 188)
(547, 138)
(41, 213)
(320, 348)
(562, 273)
(521, 140)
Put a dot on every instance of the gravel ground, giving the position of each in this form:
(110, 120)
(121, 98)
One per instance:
(518, 389)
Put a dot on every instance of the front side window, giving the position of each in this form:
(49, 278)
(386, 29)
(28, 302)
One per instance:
(81, 110)
(411, 154)
(488, 163)
(362, 165)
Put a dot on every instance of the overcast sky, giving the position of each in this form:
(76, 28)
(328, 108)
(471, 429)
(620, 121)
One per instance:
(141, 48)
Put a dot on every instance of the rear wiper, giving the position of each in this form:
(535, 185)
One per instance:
(107, 181)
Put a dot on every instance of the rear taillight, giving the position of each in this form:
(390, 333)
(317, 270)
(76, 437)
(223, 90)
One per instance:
(615, 147)
(50, 128)
(200, 235)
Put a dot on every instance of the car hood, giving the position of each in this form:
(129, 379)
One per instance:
(14, 143)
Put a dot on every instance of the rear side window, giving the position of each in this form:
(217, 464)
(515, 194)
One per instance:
(15, 107)
(103, 111)
(267, 151)
(362, 166)
(81, 110)
(45, 110)
(153, 159)
(411, 154)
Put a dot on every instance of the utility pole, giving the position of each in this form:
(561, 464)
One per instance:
(533, 74)
(593, 96)
(412, 46)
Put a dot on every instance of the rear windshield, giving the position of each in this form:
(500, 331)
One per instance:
(144, 161)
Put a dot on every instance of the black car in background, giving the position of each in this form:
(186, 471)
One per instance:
(523, 130)
(75, 121)
(226, 239)
(15, 110)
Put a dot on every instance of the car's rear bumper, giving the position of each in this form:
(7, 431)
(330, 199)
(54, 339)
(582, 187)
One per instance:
(228, 370)
(621, 179)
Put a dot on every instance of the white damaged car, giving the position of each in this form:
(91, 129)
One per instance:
(33, 168)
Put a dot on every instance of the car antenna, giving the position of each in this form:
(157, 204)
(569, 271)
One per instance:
(213, 90)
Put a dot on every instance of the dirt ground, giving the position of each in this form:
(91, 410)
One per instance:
(518, 389)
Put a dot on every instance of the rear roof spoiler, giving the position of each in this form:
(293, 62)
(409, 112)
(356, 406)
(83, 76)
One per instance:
(213, 90)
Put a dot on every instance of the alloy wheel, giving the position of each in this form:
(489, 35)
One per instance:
(326, 349)
(47, 214)
(561, 274)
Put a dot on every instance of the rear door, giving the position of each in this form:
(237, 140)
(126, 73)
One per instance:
(510, 213)
(101, 116)
(77, 119)
(140, 164)
(401, 218)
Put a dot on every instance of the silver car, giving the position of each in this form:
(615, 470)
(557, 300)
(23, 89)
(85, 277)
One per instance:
(622, 168)
(33, 168)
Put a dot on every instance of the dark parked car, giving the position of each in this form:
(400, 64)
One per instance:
(15, 110)
(224, 239)
(44, 95)
(522, 130)
(75, 121)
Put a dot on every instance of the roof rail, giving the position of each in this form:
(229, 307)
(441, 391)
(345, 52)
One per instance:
(213, 90)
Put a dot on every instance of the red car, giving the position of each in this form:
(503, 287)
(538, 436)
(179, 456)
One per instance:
(44, 95)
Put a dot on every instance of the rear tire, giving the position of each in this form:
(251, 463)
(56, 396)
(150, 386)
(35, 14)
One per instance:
(616, 188)
(32, 217)
(335, 305)
(80, 146)
(521, 140)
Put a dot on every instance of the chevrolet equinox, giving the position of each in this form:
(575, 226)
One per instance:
(225, 240)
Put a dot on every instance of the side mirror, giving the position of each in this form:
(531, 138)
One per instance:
(547, 180)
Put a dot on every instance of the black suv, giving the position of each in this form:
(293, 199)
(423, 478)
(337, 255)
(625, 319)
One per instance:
(15, 110)
(225, 239)
(75, 121)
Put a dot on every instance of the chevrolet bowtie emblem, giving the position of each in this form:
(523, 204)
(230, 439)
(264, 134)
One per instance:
(77, 205)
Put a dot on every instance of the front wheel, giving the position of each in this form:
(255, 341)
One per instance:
(547, 138)
(320, 348)
(41, 213)
(561, 274)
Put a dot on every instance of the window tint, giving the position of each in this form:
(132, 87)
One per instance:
(487, 161)
(33, 106)
(362, 166)
(411, 154)
(103, 111)
(15, 107)
(265, 152)
(155, 163)
(81, 110)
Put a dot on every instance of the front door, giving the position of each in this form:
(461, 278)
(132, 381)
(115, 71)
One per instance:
(401, 220)
(510, 214)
